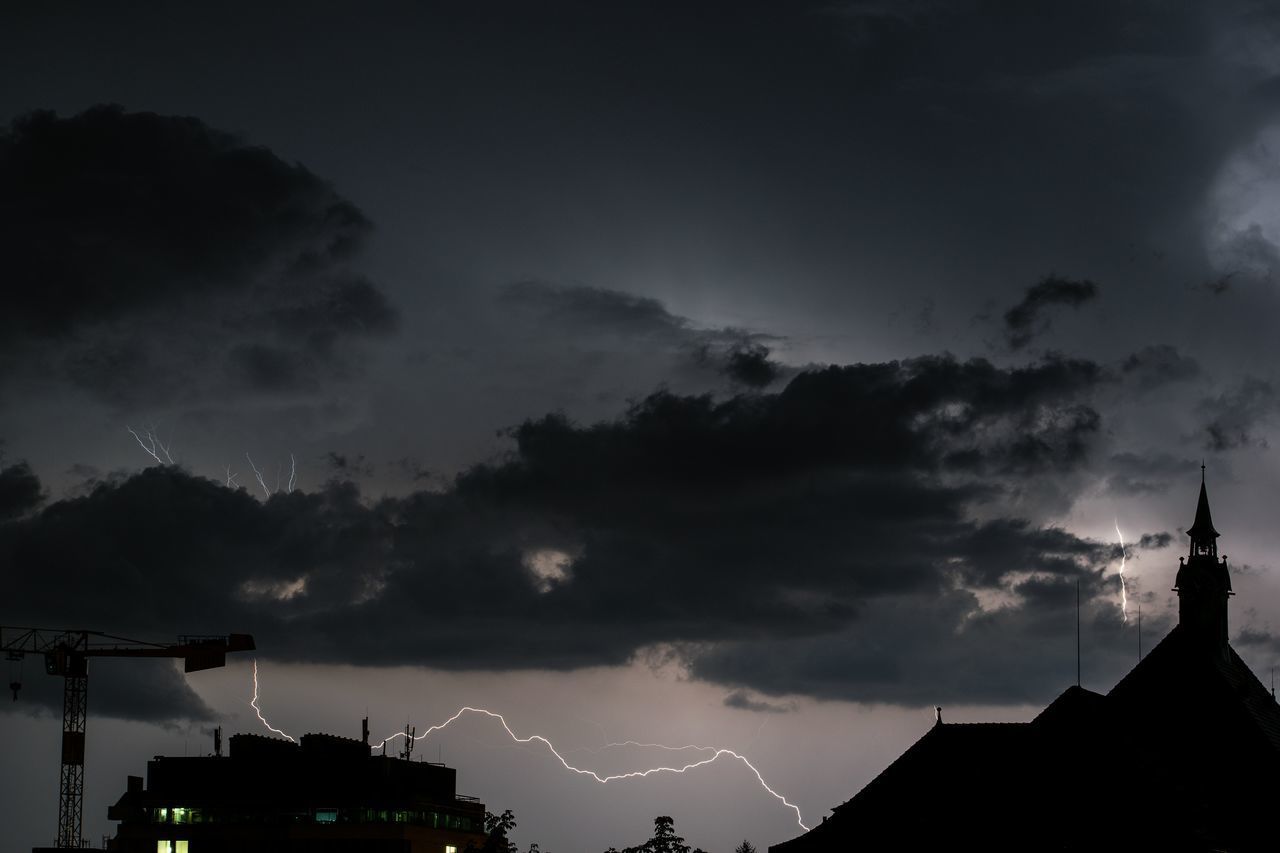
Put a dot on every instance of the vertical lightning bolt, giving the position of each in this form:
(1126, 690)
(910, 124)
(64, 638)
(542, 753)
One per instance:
(1124, 593)
(258, 474)
(262, 483)
(253, 703)
(715, 752)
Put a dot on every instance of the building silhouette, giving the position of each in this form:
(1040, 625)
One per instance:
(324, 794)
(1183, 754)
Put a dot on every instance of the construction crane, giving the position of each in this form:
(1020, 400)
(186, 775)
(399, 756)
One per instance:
(67, 653)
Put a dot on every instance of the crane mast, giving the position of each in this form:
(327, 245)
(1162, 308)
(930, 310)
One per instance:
(66, 653)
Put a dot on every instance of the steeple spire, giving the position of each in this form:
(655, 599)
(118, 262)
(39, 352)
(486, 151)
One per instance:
(1203, 536)
(1203, 583)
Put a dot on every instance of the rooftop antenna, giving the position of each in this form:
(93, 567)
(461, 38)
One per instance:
(217, 742)
(364, 730)
(408, 741)
(1077, 632)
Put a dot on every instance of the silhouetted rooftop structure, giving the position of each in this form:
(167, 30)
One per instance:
(324, 793)
(1183, 754)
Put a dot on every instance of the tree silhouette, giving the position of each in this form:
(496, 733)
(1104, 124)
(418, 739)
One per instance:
(745, 847)
(498, 825)
(664, 840)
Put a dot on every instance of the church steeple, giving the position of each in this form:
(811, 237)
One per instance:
(1203, 536)
(1203, 583)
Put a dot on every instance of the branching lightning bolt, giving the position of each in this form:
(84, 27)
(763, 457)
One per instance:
(152, 445)
(253, 703)
(716, 752)
(266, 490)
(1124, 593)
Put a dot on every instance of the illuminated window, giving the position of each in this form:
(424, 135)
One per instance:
(164, 847)
(182, 847)
(181, 815)
(449, 848)
(326, 815)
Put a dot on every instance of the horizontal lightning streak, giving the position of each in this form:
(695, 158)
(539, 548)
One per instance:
(717, 752)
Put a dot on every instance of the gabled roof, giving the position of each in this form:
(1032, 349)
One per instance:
(1181, 676)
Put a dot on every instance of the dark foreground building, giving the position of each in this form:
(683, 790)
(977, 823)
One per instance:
(325, 794)
(1182, 755)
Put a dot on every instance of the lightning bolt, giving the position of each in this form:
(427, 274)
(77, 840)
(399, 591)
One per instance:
(1124, 594)
(258, 475)
(266, 490)
(253, 703)
(716, 752)
(152, 444)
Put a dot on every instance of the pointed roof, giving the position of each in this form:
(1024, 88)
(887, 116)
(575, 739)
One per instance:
(1202, 527)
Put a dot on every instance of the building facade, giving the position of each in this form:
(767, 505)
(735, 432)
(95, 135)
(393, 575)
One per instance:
(324, 793)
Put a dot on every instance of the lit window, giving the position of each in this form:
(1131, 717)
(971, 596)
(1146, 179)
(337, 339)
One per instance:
(449, 848)
(164, 847)
(181, 815)
(182, 847)
(326, 815)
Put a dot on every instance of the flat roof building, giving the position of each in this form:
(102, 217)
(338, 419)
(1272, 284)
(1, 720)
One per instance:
(323, 793)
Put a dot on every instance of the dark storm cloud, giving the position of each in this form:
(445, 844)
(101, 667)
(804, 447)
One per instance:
(1145, 473)
(1238, 417)
(150, 690)
(743, 701)
(152, 258)
(1155, 541)
(751, 366)
(698, 524)
(1157, 365)
(1030, 317)
(587, 307)
(588, 312)
(347, 466)
(20, 491)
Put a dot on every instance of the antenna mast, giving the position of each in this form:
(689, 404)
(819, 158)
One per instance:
(1139, 632)
(1077, 632)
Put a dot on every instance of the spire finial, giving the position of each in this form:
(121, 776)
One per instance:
(1202, 472)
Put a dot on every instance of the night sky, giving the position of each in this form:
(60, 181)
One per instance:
(752, 375)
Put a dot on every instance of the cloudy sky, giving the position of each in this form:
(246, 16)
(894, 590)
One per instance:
(749, 375)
